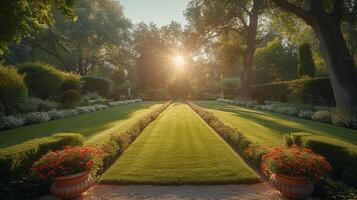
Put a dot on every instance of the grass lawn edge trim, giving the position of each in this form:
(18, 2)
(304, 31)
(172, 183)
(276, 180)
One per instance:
(118, 143)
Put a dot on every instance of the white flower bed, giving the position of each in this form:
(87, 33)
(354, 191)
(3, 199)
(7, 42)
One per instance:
(8, 122)
(324, 116)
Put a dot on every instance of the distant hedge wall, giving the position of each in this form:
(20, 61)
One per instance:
(317, 91)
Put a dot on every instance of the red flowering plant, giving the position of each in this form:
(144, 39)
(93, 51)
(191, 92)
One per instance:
(295, 161)
(68, 161)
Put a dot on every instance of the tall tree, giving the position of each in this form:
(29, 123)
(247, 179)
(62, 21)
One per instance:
(306, 65)
(215, 17)
(20, 17)
(99, 38)
(325, 18)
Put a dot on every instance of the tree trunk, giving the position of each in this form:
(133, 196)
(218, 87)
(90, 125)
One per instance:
(246, 75)
(339, 62)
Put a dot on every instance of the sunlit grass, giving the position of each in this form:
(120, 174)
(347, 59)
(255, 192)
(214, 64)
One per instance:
(179, 148)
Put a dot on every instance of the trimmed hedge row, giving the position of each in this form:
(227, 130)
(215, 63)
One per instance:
(317, 90)
(235, 138)
(16, 160)
(341, 155)
(120, 141)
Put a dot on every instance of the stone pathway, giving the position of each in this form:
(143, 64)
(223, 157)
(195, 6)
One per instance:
(259, 191)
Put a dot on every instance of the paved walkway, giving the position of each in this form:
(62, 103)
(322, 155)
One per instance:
(259, 191)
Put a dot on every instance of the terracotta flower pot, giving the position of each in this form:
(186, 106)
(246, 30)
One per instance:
(292, 187)
(73, 186)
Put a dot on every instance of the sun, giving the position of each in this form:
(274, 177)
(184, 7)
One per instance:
(179, 61)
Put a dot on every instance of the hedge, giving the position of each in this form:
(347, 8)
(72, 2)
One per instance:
(341, 155)
(317, 90)
(43, 80)
(101, 85)
(13, 90)
(16, 160)
(120, 141)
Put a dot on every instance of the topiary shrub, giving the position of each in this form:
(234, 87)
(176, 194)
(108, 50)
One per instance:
(43, 80)
(13, 90)
(71, 84)
(101, 85)
(306, 65)
(70, 97)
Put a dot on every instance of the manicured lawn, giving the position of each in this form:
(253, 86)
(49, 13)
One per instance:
(179, 148)
(97, 126)
(268, 128)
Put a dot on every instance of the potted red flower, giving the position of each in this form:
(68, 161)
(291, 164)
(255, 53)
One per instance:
(69, 169)
(292, 170)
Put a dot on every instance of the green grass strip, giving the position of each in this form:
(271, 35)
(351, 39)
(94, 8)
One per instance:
(96, 126)
(179, 148)
(267, 128)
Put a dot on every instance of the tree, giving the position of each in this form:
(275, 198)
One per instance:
(100, 38)
(216, 17)
(325, 18)
(306, 65)
(20, 17)
(274, 62)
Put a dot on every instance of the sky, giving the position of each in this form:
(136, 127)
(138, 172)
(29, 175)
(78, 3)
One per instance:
(161, 12)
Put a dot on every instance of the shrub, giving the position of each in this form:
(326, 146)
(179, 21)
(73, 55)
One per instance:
(345, 119)
(36, 118)
(307, 91)
(306, 65)
(328, 189)
(47, 105)
(43, 80)
(13, 90)
(295, 161)
(255, 153)
(71, 84)
(341, 155)
(322, 116)
(32, 104)
(7, 122)
(68, 161)
(306, 114)
(70, 97)
(16, 160)
(101, 85)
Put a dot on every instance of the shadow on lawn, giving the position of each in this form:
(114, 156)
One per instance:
(86, 124)
(284, 123)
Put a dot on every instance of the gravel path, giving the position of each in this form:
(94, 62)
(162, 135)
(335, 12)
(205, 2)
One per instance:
(259, 191)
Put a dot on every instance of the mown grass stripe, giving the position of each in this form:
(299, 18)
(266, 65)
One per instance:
(179, 148)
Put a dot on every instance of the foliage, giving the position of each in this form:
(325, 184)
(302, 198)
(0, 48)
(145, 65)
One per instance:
(345, 118)
(274, 62)
(341, 155)
(68, 161)
(21, 17)
(101, 85)
(16, 160)
(333, 190)
(13, 91)
(295, 161)
(71, 84)
(98, 39)
(180, 88)
(322, 116)
(306, 65)
(36, 118)
(255, 153)
(307, 91)
(70, 97)
(7, 122)
(118, 76)
(43, 80)
(229, 84)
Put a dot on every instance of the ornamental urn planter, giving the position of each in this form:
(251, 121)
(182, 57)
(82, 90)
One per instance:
(73, 186)
(292, 187)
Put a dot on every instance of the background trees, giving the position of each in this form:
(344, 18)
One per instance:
(306, 65)
(325, 18)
